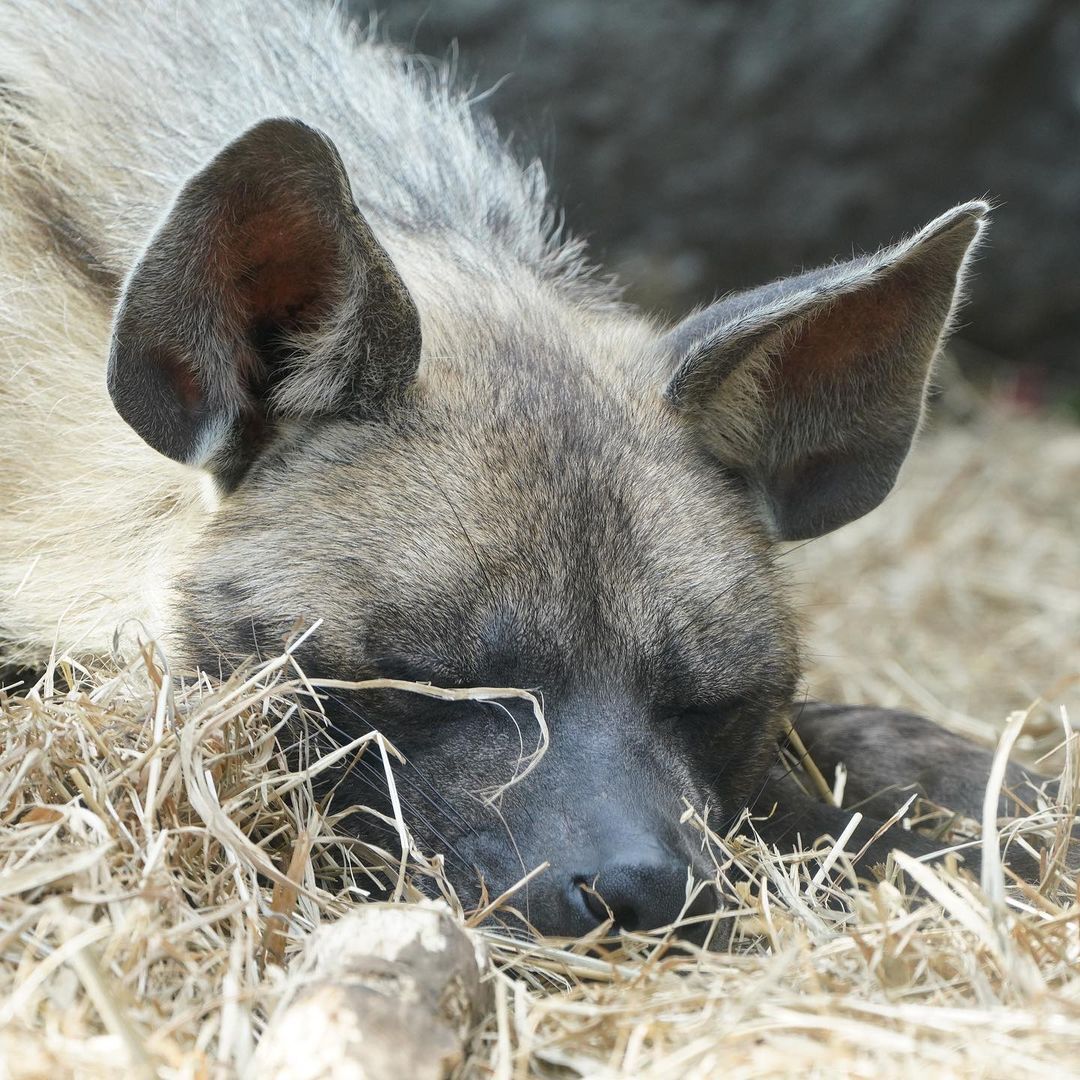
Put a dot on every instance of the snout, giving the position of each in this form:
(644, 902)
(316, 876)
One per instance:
(626, 876)
(647, 892)
(594, 829)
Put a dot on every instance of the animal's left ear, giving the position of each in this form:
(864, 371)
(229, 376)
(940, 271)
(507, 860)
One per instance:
(812, 388)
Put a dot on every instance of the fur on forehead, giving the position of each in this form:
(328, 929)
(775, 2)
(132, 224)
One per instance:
(538, 482)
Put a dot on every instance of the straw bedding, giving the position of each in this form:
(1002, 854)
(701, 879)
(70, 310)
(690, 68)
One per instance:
(159, 866)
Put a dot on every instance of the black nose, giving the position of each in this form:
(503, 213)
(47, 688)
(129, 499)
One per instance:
(636, 895)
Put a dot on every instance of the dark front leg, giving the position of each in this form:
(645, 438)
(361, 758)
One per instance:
(786, 817)
(889, 755)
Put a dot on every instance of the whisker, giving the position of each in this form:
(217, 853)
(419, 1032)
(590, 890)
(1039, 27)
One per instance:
(433, 794)
(373, 773)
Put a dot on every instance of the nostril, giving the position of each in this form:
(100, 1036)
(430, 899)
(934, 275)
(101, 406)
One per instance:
(600, 908)
(627, 918)
(637, 897)
(583, 894)
(623, 913)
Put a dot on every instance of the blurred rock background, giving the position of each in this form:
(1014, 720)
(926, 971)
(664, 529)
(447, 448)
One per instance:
(707, 146)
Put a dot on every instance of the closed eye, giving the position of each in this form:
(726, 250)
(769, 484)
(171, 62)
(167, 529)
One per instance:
(418, 669)
(711, 714)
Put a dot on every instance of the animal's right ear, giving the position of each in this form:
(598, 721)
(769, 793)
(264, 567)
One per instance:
(264, 295)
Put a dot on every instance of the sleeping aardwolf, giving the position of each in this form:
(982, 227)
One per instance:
(288, 335)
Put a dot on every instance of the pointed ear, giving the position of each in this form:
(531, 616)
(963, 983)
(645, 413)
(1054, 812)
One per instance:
(812, 388)
(262, 296)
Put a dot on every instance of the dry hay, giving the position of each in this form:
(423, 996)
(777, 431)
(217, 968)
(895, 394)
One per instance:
(159, 865)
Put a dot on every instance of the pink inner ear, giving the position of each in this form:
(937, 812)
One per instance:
(859, 325)
(289, 262)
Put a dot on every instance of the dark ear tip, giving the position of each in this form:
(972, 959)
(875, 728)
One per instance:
(280, 128)
(273, 142)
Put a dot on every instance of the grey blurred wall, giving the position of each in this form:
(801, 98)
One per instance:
(706, 146)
